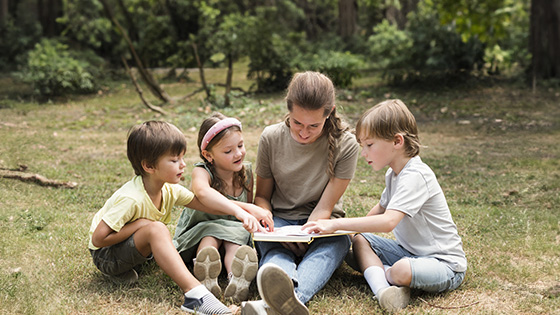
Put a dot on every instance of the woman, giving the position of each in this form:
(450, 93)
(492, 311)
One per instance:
(304, 165)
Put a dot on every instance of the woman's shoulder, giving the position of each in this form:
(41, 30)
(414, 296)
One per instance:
(275, 129)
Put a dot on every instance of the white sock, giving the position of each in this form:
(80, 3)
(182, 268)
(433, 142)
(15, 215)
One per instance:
(197, 292)
(386, 267)
(375, 277)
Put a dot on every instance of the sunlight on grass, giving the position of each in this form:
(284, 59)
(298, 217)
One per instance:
(500, 173)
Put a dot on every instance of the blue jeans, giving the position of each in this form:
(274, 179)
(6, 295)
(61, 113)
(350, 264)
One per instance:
(428, 273)
(316, 267)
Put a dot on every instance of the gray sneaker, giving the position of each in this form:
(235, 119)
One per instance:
(256, 308)
(243, 270)
(207, 268)
(277, 290)
(125, 278)
(394, 298)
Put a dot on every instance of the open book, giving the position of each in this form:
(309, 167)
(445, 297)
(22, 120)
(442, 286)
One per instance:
(293, 233)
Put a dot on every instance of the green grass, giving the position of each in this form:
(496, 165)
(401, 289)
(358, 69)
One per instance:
(493, 145)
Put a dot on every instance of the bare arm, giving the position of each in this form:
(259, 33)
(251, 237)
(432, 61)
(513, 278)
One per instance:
(104, 236)
(332, 193)
(385, 222)
(263, 195)
(209, 200)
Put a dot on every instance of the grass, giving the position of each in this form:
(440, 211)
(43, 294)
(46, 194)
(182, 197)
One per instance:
(493, 145)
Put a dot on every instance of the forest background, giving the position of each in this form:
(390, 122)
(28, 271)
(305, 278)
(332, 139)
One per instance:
(482, 78)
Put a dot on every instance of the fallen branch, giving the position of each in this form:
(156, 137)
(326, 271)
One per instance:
(448, 307)
(36, 178)
(140, 92)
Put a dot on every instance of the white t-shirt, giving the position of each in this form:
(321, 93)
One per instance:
(300, 170)
(132, 202)
(427, 228)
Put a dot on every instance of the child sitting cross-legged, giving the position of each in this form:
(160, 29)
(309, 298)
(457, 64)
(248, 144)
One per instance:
(131, 228)
(428, 253)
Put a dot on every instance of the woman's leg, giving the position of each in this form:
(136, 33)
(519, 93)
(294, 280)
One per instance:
(322, 258)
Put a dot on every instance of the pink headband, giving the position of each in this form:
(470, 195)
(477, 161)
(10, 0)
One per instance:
(217, 128)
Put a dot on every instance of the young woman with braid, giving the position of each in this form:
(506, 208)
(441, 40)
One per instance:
(304, 165)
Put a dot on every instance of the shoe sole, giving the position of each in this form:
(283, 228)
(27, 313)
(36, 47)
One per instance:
(277, 290)
(207, 268)
(244, 268)
(394, 298)
(248, 308)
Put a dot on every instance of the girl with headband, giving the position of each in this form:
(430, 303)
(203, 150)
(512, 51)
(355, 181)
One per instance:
(223, 179)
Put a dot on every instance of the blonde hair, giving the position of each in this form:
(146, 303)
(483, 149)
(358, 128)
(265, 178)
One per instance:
(387, 119)
(151, 140)
(239, 178)
(312, 91)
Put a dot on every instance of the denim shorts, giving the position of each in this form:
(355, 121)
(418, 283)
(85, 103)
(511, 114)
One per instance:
(428, 273)
(116, 259)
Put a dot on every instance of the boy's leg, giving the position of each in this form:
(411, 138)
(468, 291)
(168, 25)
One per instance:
(372, 252)
(154, 238)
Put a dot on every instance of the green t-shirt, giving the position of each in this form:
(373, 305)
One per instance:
(132, 202)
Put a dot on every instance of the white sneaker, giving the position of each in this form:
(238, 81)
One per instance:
(277, 290)
(207, 268)
(243, 269)
(394, 298)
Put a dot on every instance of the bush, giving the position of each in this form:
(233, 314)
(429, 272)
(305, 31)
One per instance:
(341, 67)
(16, 39)
(52, 70)
(426, 48)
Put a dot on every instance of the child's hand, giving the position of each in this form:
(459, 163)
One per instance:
(262, 215)
(320, 226)
(250, 223)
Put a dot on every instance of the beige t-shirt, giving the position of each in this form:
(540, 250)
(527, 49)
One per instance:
(300, 170)
(132, 202)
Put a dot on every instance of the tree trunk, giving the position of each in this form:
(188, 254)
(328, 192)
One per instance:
(228, 80)
(347, 17)
(201, 71)
(544, 39)
(153, 85)
(3, 11)
(132, 29)
(49, 11)
(398, 16)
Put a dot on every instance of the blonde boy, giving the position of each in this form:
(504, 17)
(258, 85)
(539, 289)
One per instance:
(131, 228)
(428, 253)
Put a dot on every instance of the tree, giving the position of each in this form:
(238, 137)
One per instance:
(347, 17)
(544, 40)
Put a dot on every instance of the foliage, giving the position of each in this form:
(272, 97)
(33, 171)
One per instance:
(424, 48)
(17, 37)
(52, 70)
(341, 67)
(502, 25)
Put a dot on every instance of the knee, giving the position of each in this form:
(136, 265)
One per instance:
(157, 228)
(400, 273)
(359, 241)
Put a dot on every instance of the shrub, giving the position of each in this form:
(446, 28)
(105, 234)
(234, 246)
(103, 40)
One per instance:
(341, 67)
(52, 70)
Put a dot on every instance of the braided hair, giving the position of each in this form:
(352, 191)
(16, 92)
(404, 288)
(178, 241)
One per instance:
(312, 91)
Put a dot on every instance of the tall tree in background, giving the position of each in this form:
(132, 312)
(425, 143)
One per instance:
(347, 17)
(544, 42)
